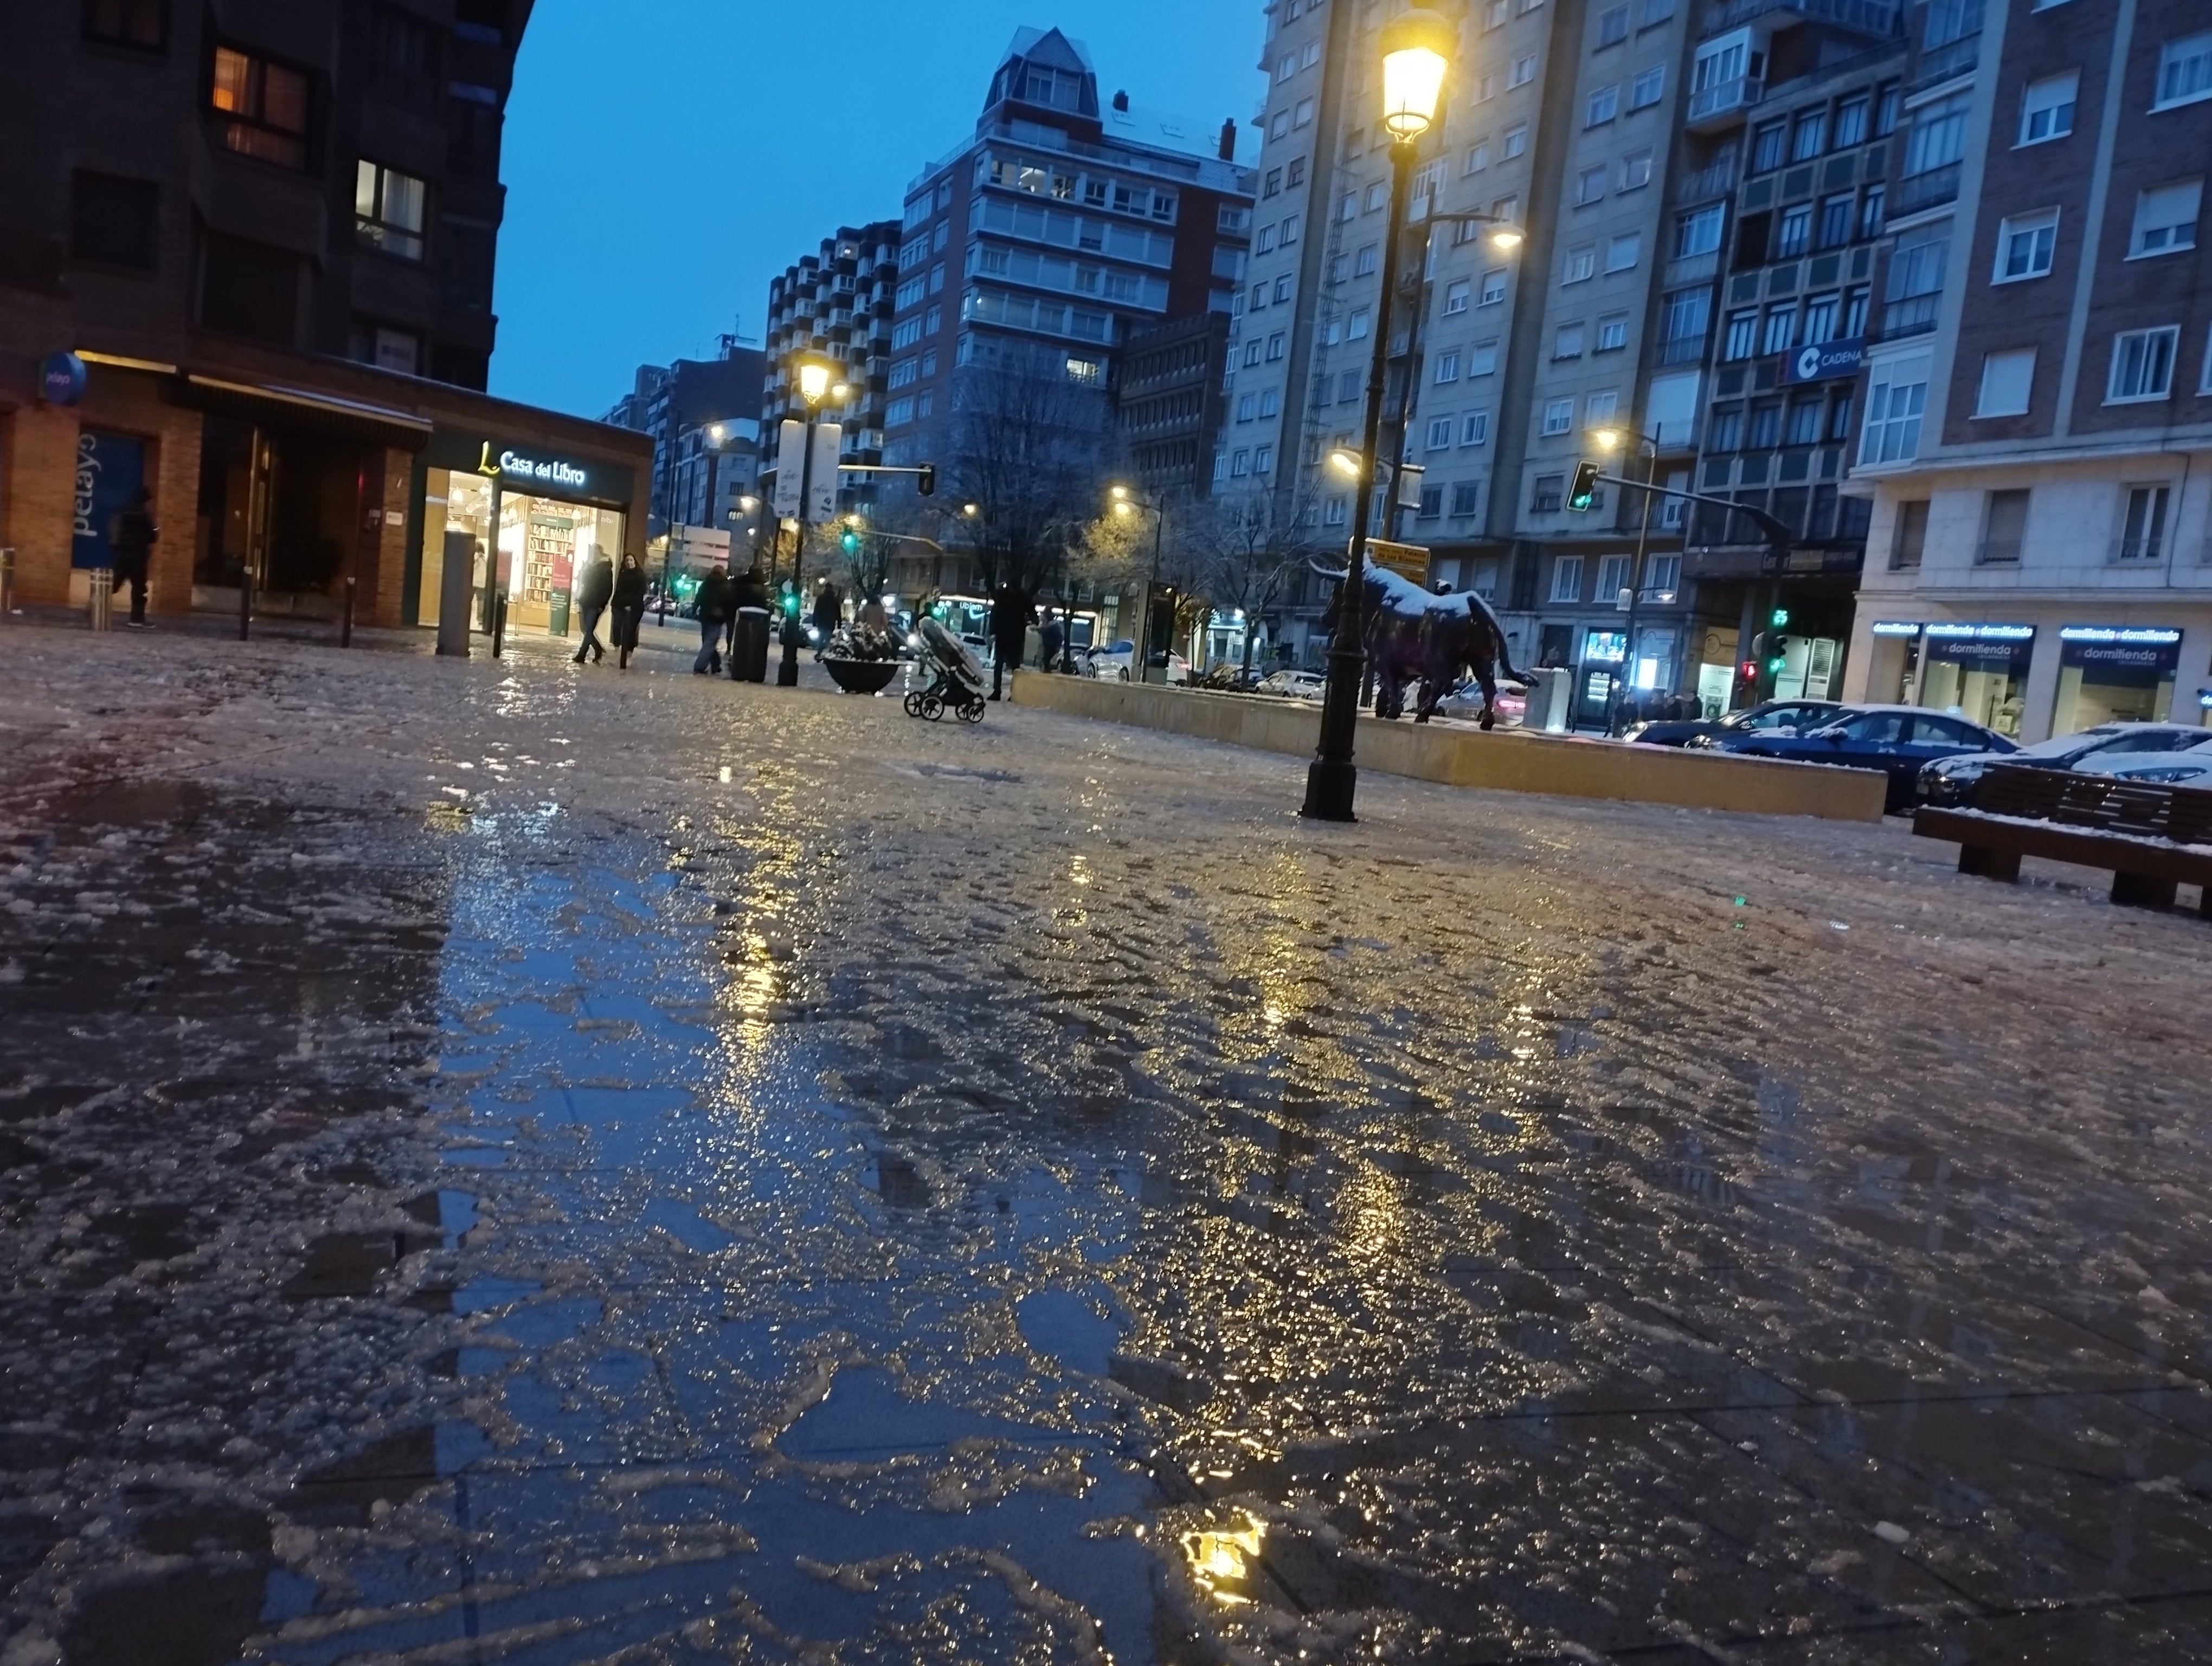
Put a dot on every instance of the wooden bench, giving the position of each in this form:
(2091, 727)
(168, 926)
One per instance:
(2151, 838)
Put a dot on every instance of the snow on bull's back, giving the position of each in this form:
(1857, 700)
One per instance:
(1404, 596)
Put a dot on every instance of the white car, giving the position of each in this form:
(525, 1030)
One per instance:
(1294, 685)
(2192, 768)
(1467, 704)
(1113, 661)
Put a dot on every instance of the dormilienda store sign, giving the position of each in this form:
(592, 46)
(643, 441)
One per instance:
(2128, 656)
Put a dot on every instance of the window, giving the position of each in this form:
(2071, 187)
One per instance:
(1475, 428)
(1589, 185)
(1581, 263)
(1794, 234)
(1247, 407)
(1613, 577)
(1684, 315)
(1275, 346)
(1482, 359)
(1767, 145)
(1837, 214)
(1432, 503)
(1896, 399)
(1728, 430)
(1636, 170)
(1447, 368)
(1803, 425)
(1567, 570)
(1567, 342)
(2026, 244)
(1810, 136)
(141, 23)
(2205, 380)
(1612, 26)
(1698, 231)
(1648, 88)
(1558, 417)
(262, 108)
(1466, 497)
(1333, 513)
(1240, 464)
(1742, 339)
(2185, 71)
(1622, 252)
(1821, 319)
(1604, 104)
(1780, 333)
(1908, 538)
(1888, 105)
(114, 221)
(1839, 417)
(1297, 171)
(388, 210)
(1263, 459)
(1765, 425)
(1654, 13)
(1273, 186)
(2142, 365)
(1290, 229)
(1938, 136)
(1377, 194)
(2004, 527)
(1348, 388)
(1613, 332)
(906, 334)
(1663, 575)
(1916, 280)
(405, 51)
(1369, 260)
(1304, 113)
(1524, 71)
(1851, 121)
(1871, 209)
(1271, 401)
(1493, 288)
(1440, 432)
(2165, 219)
(1356, 327)
(2046, 107)
(2143, 533)
(1601, 408)
(1517, 141)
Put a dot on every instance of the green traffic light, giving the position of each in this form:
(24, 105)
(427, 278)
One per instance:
(1779, 617)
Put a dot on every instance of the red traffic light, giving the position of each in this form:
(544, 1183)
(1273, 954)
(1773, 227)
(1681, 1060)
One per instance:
(1750, 669)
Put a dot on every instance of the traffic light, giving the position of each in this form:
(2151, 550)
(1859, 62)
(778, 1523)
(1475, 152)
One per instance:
(850, 540)
(1777, 655)
(1583, 493)
(790, 600)
(1779, 617)
(924, 480)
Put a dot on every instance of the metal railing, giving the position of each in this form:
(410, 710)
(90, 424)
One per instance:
(1913, 316)
(1718, 181)
(1915, 192)
(1725, 98)
(1947, 62)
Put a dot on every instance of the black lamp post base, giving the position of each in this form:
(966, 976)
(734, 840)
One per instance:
(1331, 786)
(786, 670)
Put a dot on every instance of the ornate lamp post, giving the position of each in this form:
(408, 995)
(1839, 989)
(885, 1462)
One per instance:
(814, 386)
(1417, 49)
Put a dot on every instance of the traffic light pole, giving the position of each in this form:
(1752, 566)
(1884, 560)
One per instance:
(1635, 593)
(786, 670)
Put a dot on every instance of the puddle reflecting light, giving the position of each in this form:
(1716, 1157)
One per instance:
(1223, 1557)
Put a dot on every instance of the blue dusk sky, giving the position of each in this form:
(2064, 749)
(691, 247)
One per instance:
(665, 158)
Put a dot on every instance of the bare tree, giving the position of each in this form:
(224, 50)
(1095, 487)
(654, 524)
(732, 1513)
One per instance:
(1256, 540)
(1031, 450)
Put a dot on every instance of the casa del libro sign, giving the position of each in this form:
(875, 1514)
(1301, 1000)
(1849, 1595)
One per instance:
(516, 468)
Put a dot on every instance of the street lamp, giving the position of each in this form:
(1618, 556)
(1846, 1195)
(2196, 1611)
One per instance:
(1613, 439)
(815, 385)
(1417, 48)
(1127, 504)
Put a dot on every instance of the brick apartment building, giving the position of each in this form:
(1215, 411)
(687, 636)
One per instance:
(246, 255)
(2037, 434)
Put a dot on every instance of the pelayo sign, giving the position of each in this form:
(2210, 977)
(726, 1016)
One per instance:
(518, 469)
(1824, 362)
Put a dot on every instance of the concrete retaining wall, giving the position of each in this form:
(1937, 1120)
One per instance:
(1510, 761)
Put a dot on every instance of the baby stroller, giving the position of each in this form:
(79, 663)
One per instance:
(956, 678)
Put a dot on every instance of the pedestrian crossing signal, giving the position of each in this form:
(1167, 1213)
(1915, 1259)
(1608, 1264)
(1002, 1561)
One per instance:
(1585, 492)
(924, 480)
(851, 541)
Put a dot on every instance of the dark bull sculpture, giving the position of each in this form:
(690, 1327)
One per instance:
(1437, 641)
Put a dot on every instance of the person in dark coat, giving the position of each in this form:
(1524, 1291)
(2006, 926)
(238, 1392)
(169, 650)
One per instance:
(595, 589)
(131, 538)
(1010, 634)
(715, 604)
(829, 609)
(629, 599)
(1048, 640)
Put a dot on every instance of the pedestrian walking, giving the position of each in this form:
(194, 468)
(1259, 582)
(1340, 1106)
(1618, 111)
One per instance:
(1011, 613)
(629, 599)
(594, 591)
(714, 602)
(1049, 638)
(829, 609)
(131, 536)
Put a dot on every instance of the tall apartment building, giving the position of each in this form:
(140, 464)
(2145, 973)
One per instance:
(247, 254)
(679, 405)
(2038, 439)
(835, 304)
(1168, 398)
(1067, 221)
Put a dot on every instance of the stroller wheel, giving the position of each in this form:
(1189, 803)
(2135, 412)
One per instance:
(971, 711)
(933, 707)
(914, 703)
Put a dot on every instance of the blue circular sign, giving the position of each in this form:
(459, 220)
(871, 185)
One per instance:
(62, 380)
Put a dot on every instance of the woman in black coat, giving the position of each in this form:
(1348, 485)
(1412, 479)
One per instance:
(629, 607)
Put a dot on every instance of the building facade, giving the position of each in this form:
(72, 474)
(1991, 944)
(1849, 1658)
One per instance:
(835, 305)
(2038, 415)
(247, 254)
(681, 405)
(1169, 403)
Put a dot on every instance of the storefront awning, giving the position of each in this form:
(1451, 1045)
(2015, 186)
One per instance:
(293, 408)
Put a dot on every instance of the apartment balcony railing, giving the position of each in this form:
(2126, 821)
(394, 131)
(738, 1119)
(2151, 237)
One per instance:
(1913, 316)
(1878, 18)
(1718, 181)
(1724, 104)
(1918, 191)
(2137, 551)
(1997, 552)
(1946, 62)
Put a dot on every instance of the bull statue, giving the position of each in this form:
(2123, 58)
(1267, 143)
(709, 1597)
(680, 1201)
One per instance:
(1411, 636)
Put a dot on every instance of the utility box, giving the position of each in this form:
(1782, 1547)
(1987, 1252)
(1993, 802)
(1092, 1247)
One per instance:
(1551, 703)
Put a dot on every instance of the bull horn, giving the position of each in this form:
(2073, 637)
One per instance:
(1338, 573)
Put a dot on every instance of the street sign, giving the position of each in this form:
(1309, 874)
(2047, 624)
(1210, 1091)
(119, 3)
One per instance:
(828, 443)
(62, 380)
(1824, 362)
(1408, 561)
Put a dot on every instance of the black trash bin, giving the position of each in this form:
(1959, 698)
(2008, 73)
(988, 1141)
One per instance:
(749, 653)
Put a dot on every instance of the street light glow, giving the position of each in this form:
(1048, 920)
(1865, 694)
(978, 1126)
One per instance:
(1605, 439)
(1506, 239)
(1344, 462)
(1416, 52)
(749, 504)
(1124, 508)
(813, 381)
(841, 394)
(715, 434)
(971, 508)
(1120, 494)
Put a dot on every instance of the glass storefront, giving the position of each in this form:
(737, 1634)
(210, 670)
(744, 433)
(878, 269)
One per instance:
(1978, 671)
(523, 527)
(2115, 674)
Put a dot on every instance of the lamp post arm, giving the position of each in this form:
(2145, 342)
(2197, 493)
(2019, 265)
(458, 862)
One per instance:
(1779, 536)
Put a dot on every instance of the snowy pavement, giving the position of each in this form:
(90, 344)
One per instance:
(504, 1163)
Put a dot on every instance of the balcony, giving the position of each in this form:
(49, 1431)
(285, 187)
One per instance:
(1917, 192)
(1718, 181)
(1913, 316)
(1947, 63)
(1876, 18)
(1683, 350)
(1724, 104)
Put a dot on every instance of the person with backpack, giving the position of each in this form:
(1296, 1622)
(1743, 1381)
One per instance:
(132, 537)
(714, 600)
(592, 595)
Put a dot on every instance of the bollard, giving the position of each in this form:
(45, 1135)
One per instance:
(7, 584)
(245, 603)
(345, 619)
(100, 597)
(498, 625)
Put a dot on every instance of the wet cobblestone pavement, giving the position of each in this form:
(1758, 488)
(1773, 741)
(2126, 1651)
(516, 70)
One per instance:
(509, 1163)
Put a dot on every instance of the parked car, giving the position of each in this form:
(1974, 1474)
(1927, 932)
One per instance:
(2099, 750)
(1900, 741)
(1294, 685)
(2192, 768)
(1113, 660)
(1466, 705)
(1774, 716)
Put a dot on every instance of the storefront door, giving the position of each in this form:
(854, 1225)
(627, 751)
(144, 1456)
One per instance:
(2115, 674)
(1979, 672)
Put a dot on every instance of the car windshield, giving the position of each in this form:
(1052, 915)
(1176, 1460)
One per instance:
(2071, 745)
